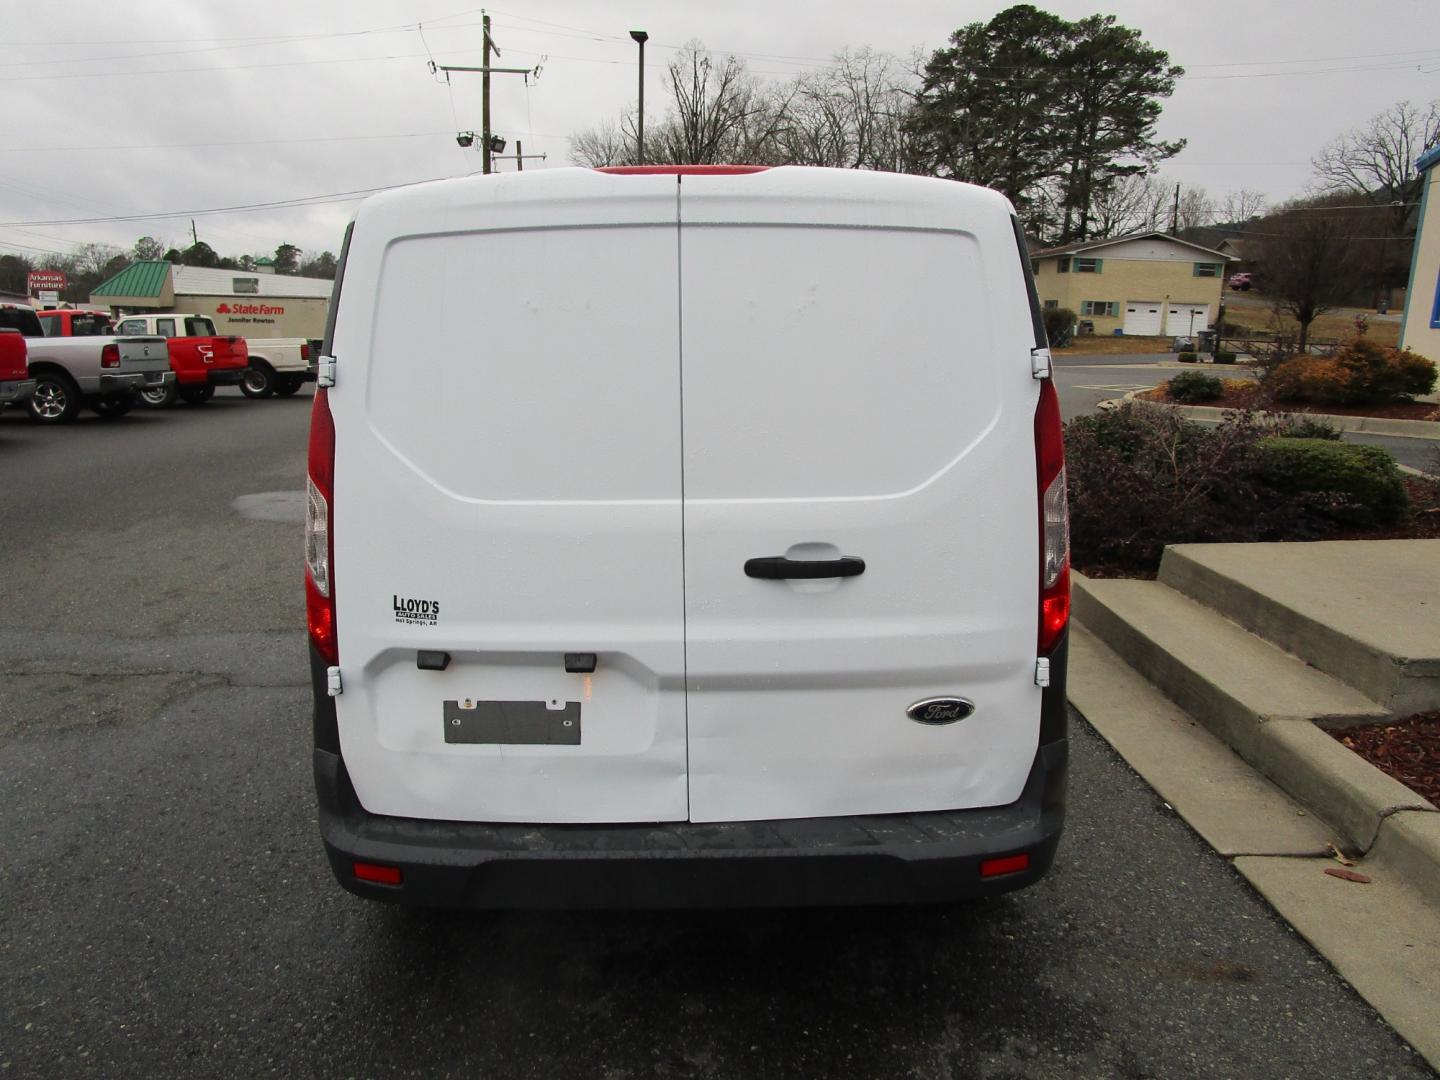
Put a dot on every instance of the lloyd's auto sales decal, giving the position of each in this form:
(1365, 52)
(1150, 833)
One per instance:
(411, 612)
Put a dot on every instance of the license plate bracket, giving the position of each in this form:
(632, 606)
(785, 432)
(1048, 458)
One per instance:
(512, 723)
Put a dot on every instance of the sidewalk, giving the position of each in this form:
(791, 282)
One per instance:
(1216, 683)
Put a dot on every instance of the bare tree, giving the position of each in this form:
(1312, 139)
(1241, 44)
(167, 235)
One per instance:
(719, 113)
(610, 143)
(1378, 159)
(1312, 259)
(1195, 210)
(1240, 206)
(1135, 203)
(849, 115)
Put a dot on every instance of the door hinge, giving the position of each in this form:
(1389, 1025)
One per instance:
(1042, 671)
(332, 682)
(1040, 366)
(325, 372)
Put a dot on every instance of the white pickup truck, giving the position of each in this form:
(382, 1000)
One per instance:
(278, 366)
(105, 372)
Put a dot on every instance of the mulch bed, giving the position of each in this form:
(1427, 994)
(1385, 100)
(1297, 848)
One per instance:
(1245, 394)
(1408, 750)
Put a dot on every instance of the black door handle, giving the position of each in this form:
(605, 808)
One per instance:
(777, 566)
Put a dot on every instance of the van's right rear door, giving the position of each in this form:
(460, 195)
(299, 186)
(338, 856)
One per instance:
(856, 362)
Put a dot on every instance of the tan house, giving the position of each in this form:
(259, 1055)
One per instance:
(1147, 284)
(1420, 328)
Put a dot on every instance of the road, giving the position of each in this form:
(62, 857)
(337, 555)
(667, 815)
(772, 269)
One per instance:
(1085, 381)
(167, 911)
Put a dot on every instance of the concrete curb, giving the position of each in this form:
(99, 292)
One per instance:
(1370, 425)
(1367, 808)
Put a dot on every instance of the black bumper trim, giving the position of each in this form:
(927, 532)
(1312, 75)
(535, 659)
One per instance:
(876, 859)
(227, 377)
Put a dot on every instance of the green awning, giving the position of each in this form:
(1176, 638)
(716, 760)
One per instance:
(139, 279)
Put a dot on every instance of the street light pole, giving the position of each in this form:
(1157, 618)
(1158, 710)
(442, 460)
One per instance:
(640, 37)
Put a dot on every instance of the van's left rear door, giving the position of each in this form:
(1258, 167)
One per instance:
(507, 490)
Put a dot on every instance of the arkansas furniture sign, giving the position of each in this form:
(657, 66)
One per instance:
(38, 281)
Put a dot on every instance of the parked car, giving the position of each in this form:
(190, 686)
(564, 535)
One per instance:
(1241, 281)
(806, 648)
(75, 322)
(278, 366)
(104, 372)
(200, 358)
(15, 382)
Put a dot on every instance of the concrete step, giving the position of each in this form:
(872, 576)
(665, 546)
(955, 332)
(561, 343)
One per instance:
(1256, 697)
(1365, 612)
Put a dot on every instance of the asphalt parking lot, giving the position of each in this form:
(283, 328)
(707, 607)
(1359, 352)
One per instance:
(167, 910)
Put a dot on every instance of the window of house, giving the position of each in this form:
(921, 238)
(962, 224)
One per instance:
(1051, 305)
(1100, 307)
(1435, 311)
(1207, 269)
(1063, 265)
(1087, 266)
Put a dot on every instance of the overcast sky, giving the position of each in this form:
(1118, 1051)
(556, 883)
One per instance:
(154, 106)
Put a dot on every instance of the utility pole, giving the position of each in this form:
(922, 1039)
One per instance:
(466, 138)
(485, 96)
(520, 157)
(195, 236)
(1175, 214)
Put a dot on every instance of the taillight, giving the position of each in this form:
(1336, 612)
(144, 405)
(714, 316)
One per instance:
(304, 352)
(110, 355)
(1054, 518)
(319, 542)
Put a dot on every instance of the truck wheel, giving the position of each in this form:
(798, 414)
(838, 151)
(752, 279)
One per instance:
(115, 405)
(285, 385)
(197, 395)
(159, 397)
(56, 399)
(259, 381)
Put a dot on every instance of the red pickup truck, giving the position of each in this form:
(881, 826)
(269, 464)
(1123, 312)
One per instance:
(200, 358)
(15, 382)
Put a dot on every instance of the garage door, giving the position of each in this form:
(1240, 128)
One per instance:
(1186, 320)
(1142, 317)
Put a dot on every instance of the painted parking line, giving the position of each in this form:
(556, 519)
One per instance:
(1123, 387)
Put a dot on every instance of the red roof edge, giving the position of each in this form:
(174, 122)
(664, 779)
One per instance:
(681, 170)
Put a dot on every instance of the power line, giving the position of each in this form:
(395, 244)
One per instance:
(277, 204)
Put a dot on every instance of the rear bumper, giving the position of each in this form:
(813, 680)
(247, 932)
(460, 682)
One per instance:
(16, 390)
(226, 377)
(875, 859)
(134, 380)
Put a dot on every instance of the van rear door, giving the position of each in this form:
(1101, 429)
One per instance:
(507, 492)
(857, 385)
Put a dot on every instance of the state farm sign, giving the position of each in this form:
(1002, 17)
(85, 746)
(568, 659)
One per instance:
(38, 281)
(250, 309)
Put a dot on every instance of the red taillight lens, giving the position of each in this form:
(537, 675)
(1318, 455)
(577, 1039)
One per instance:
(378, 874)
(304, 352)
(1054, 518)
(110, 356)
(319, 539)
(1006, 864)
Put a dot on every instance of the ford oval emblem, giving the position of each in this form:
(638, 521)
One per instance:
(940, 710)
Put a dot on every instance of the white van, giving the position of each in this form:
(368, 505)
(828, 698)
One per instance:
(687, 536)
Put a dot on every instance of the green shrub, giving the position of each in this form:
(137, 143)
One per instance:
(1359, 372)
(1059, 325)
(1143, 478)
(1190, 387)
(1307, 427)
(1223, 357)
(1368, 487)
(1187, 357)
